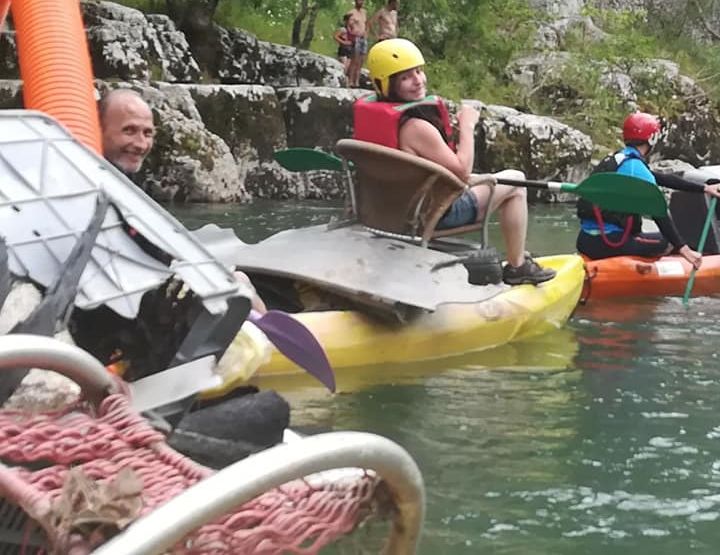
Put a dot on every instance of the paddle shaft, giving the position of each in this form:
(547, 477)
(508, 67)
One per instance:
(701, 246)
(550, 185)
(611, 191)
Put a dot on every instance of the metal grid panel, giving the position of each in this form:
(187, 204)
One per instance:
(49, 185)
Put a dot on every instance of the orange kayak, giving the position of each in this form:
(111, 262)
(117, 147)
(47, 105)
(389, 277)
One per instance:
(633, 276)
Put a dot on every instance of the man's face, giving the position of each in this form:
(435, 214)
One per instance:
(359, 3)
(392, 5)
(127, 133)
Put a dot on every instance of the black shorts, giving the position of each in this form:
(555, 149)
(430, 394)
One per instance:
(345, 51)
(644, 244)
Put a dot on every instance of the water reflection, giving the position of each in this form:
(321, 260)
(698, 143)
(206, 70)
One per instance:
(615, 453)
(259, 219)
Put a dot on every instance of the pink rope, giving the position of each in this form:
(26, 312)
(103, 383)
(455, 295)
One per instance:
(295, 518)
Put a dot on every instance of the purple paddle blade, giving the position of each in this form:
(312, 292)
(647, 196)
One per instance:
(297, 343)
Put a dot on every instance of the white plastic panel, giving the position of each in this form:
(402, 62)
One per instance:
(49, 185)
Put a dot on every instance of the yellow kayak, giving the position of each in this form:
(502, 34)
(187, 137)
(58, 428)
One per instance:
(548, 352)
(352, 339)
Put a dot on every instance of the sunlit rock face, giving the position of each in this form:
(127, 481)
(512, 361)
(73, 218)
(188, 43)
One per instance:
(559, 8)
(541, 147)
(285, 66)
(127, 44)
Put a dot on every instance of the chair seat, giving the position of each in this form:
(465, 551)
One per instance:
(402, 194)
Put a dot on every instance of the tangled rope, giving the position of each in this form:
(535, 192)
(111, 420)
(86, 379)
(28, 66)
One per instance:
(79, 474)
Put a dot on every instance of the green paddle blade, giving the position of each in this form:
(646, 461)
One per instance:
(307, 159)
(621, 193)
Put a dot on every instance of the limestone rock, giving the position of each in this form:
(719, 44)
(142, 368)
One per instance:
(9, 68)
(677, 167)
(10, 94)
(553, 35)
(317, 116)
(249, 118)
(231, 56)
(126, 44)
(692, 122)
(541, 147)
(285, 66)
(534, 71)
(559, 8)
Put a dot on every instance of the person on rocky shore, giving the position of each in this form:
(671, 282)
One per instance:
(604, 234)
(128, 135)
(345, 43)
(422, 127)
(383, 24)
(357, 26)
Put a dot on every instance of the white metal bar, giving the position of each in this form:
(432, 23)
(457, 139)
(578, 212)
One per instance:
(248, 478)
(37, 351)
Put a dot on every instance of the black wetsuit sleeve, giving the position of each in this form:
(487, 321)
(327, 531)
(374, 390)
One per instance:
(669, 231)
(678, 183)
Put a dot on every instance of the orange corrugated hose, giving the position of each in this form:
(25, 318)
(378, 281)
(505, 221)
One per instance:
(55, 65)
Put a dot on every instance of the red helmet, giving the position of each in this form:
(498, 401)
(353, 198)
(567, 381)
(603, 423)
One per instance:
(641, 127)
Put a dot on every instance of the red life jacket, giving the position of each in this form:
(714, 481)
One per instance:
(378, 122)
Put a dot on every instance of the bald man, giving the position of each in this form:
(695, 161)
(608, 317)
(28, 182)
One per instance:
(128, 133)
(128, 130)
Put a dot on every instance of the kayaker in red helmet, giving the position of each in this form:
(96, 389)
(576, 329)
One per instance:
(604, 234)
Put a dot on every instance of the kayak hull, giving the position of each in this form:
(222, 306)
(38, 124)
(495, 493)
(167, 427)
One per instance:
(352, 339)
(633, 276)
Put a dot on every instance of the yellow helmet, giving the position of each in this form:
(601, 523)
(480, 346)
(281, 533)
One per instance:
(389, 57)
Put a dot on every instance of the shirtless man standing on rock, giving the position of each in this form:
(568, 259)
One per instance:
(386, 21)
(357, 26)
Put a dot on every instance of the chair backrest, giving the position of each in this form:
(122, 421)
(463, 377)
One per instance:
(398, 192)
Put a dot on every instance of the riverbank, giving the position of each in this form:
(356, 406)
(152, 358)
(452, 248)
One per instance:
(225, 101)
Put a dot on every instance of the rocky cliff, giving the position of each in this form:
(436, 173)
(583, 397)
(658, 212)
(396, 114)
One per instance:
(224, 105)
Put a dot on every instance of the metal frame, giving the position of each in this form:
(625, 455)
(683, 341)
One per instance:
(412, 237)
(35, 351)
(246, 479)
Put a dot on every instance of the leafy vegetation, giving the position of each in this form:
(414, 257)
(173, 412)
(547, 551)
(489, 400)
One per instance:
(469, 43)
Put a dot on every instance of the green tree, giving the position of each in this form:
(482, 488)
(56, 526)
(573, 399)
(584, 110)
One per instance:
(307, 13)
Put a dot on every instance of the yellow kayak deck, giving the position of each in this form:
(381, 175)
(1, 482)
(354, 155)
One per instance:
(352, 339)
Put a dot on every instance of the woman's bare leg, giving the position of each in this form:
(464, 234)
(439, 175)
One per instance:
(511, 203)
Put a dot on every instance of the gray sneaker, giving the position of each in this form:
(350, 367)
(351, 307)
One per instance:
(529, 272)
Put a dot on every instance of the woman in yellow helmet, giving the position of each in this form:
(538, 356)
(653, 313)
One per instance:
(403, 116)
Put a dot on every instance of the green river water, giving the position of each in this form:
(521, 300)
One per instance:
(602, 438)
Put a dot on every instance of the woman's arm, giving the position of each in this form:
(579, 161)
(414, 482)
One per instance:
(422, 138)
(710, 187)
(340, 37)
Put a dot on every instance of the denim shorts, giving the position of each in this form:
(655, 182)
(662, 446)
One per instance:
(361, 46)
(461, 212)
